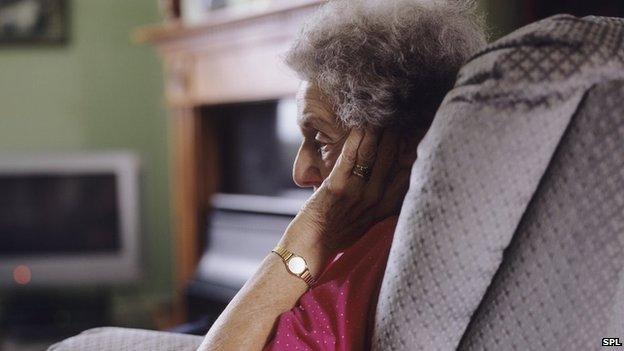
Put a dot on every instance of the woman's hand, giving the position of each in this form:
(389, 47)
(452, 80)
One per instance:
(347, 204)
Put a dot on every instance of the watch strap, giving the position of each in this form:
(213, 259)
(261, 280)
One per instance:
(307, 277)
(283, 253)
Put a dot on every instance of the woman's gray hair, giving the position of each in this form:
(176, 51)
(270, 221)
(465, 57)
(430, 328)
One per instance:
(387, 62)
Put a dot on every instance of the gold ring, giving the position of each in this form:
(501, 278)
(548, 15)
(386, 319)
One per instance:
(361, 171)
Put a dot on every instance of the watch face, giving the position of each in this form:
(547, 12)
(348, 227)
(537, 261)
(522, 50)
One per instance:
(296, 265)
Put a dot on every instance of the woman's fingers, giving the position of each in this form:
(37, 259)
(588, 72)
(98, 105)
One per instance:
(338, 179)
(367, 150)
(355, 162)
(366, 154)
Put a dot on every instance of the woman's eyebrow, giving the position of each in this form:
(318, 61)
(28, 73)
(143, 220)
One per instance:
(310, 120)
(319, 124)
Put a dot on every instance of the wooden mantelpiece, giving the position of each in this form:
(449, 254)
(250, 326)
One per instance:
(230, 57)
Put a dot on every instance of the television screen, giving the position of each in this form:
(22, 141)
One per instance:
(258, 145)
(50, 214)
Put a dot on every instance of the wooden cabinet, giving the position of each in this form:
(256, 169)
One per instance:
(231, 57)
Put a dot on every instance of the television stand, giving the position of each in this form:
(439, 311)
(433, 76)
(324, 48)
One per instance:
(53, 314)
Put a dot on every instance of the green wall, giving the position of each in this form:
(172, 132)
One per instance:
(98, 92)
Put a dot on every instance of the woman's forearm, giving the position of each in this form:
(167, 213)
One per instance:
(248, 320)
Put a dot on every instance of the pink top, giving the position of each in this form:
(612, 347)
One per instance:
(338, 312)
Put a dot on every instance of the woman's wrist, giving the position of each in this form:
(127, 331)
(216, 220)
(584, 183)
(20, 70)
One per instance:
(307, 242)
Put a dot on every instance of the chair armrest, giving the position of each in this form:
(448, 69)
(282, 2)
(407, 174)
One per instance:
(115, 339)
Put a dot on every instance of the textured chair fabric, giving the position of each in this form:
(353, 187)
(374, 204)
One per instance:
(511, 236)
(123, 339)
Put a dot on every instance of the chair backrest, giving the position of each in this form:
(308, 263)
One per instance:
(512, 232)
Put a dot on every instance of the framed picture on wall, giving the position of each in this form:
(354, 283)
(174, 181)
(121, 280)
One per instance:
(34, 21)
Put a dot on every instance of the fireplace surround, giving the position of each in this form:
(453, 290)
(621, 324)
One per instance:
(229, 62)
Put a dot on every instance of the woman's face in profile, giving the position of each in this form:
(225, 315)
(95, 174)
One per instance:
(323, 138)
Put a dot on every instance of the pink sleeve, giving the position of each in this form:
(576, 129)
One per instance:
(336, 314)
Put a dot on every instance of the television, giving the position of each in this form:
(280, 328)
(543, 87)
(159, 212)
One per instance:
(69, 219)
(258, 142)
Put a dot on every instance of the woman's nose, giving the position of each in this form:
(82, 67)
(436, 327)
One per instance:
(305, 171)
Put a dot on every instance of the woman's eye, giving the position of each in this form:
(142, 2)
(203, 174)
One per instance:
(323, 143)
(319, 146)
(322, 138)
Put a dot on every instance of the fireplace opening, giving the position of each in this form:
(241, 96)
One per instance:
(258, 142)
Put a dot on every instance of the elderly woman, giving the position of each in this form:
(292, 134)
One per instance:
(374, 74)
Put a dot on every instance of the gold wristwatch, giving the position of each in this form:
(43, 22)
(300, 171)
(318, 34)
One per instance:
(295, 265)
